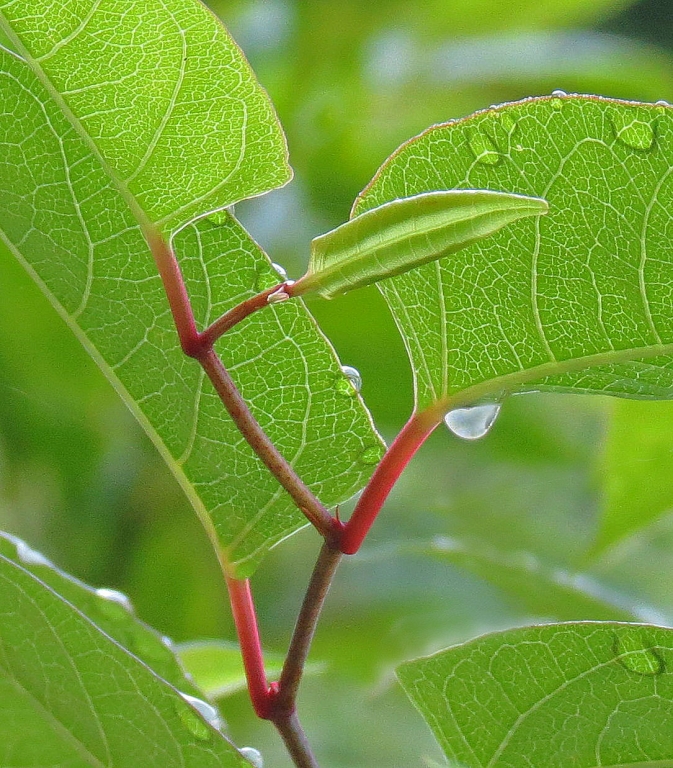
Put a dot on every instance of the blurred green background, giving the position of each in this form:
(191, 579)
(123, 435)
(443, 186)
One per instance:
(478, 535)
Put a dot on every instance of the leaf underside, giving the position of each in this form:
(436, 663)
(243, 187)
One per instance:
(578, 300)
(70, 696)
(582, 694)
(68, 219)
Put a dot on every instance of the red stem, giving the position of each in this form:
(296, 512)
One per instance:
(414, 433)
(233, 316)
(245, 618)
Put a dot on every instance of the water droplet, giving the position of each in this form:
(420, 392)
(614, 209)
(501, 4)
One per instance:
(473, 422)
(558, 93)
(663, 103)
(281, 271)
(194, 714)
(253, 756)
(114, 605)
(351, 384)
(636, 656)
(636, 134)
(371, 455)
(29, 556)
(484, 149)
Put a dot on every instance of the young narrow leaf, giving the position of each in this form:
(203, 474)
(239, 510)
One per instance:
(583, 694)
(70, 695)
(406, 233)
(579, 300)
(66, 222)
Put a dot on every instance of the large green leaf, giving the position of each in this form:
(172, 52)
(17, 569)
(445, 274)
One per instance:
(67, 223)
(635, 469)
(71, 696)
(582, 695)
(578, 300)
(160, 93)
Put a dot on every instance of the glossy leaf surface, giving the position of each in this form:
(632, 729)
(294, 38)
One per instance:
(578, 300)
(67, 223)
(583, 694)
(406, 233)
(70, 695)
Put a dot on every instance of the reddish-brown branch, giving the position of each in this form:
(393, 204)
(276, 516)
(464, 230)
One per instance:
(414, 433)
(245, 618)
(265, 449)
(233, 316)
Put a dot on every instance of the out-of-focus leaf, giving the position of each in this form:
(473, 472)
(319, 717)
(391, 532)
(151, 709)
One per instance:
(636, 469)
(546, 592)
(579, 300)
(403, 234)
(582, 694)
(75, 234)
(70, 695)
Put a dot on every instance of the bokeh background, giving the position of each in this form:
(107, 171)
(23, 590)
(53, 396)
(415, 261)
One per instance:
(477, 536)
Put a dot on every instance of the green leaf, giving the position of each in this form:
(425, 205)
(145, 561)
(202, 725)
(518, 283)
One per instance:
(542, 590)
(579, 300)
(403, 234)
(108, 609)
(161, 95)
(70, 695)
(66, 222)
(635, 469)
(583, 694)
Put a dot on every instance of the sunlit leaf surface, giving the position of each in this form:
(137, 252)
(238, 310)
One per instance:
(71, 696)
(578, 300)
(586, 694)
(74, 226)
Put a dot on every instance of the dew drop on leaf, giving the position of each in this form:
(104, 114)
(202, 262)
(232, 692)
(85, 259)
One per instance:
(194, 712)
(558, 93)
(507, 122)
(371, 455)
(114, 604)
(29, 556)
(473, 422)
(635, 134)
(635, 656)
(484, 149)
(253, 756)
(351, 384)
(663, 103)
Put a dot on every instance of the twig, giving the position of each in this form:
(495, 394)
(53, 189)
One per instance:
(296, 742)
(414, 433)
(293, 668)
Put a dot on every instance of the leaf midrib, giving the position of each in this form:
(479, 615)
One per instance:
(137, 211)
(511, 382)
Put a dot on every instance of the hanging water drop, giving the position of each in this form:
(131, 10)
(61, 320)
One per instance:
(253, 756)
(558, 93)
(634, 133)
(194, 714)
(663, 103)
(484, 149)
(350, 383)
(473, 422)
(507, 122)
(29, 556)
(636, 656)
